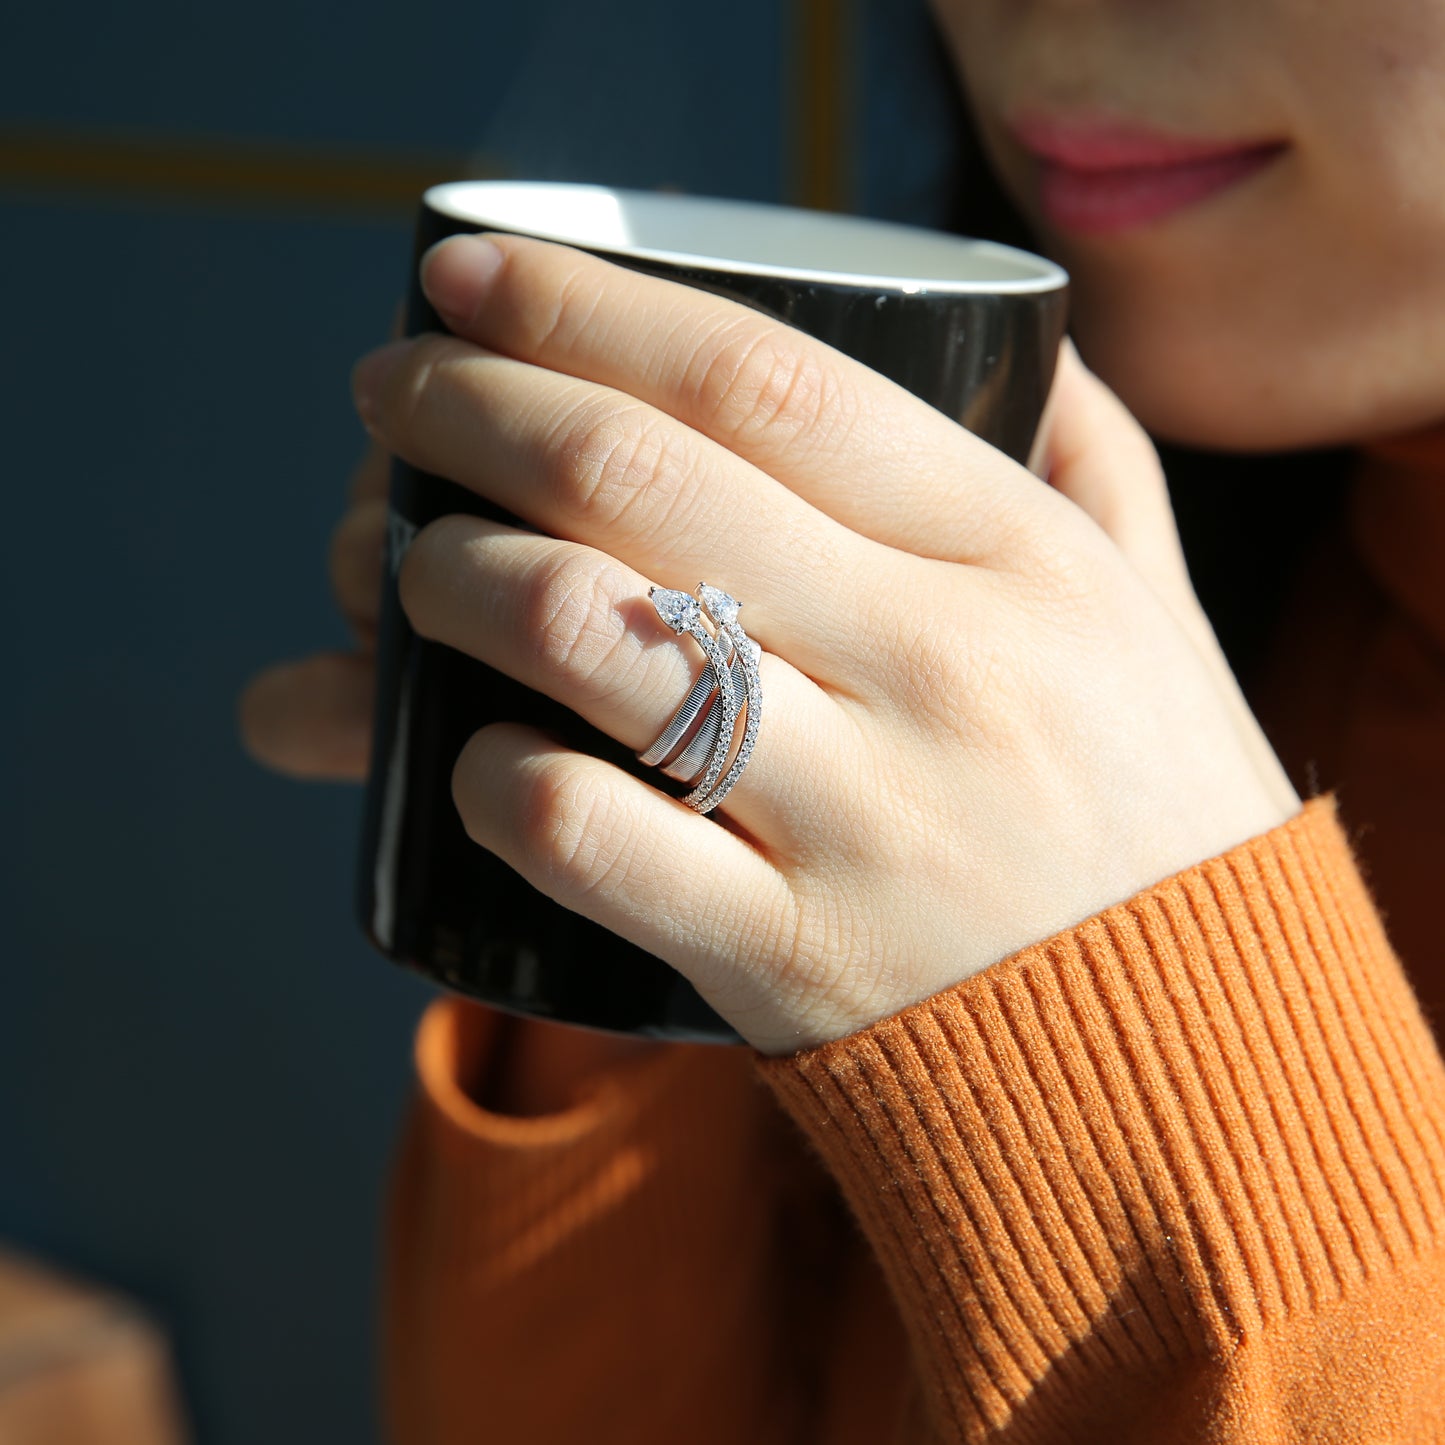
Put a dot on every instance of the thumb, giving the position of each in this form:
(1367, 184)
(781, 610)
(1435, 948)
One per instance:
(1102, 460)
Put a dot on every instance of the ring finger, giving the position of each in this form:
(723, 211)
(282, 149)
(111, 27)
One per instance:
(578, 625)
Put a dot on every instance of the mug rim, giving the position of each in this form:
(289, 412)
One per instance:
(486, 204)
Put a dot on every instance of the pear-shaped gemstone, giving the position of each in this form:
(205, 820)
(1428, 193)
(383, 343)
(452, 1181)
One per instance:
(677, 609)
(720, 607)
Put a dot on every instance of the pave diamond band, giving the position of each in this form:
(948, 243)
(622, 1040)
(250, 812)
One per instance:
(697, 753)
(724, 612)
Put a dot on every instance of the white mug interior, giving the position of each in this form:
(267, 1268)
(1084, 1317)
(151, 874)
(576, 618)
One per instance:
(748, 237)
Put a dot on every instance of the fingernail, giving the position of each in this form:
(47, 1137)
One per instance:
(369, 375)
(456, 275)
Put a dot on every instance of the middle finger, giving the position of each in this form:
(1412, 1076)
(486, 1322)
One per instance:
(590, 464)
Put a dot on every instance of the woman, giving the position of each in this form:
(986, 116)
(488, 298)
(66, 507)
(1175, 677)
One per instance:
(1086, 1096)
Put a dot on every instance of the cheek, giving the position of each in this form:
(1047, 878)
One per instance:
(1381, 155)
(1302, 310)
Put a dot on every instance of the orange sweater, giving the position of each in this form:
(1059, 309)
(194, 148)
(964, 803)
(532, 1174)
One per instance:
(1175, 1174)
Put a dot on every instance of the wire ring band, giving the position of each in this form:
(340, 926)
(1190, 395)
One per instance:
(704, 690)
(730, 678)
(693, 758)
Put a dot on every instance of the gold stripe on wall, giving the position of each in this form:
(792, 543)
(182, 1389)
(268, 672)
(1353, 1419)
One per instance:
(821, 94)
(257, 176)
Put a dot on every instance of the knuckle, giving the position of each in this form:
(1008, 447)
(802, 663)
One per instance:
(402, 394)
(957, 679)
(924, 669)
(571, 309)
(567, 829)
(1066, 578)
(606, 459)
(574, 616)
(758, 386)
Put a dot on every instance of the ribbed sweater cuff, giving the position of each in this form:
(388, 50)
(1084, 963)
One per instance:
(1198, 1112)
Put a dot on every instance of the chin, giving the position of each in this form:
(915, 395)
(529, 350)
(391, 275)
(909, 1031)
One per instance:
(1234, 393)
(1199, 371)
(1235, 413)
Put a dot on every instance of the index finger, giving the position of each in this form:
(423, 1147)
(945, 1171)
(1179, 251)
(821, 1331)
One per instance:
(854, 444)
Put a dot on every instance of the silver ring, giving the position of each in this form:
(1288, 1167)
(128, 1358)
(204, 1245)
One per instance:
(690, 762)
(730, 678)
(660, 753)
(682, 613)
(723, 610)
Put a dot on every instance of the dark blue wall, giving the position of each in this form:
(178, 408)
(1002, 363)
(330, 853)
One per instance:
(201, 1063)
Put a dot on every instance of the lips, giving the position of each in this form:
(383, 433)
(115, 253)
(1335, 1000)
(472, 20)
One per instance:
(1102, 175)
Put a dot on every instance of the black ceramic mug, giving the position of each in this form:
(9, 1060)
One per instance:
(969, 326)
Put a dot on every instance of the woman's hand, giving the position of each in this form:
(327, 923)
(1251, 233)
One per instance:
(983, 721)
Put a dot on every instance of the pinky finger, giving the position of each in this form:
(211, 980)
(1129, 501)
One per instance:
(611, 847)
(311, 719)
